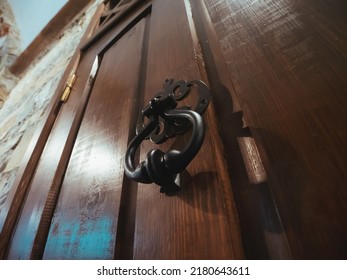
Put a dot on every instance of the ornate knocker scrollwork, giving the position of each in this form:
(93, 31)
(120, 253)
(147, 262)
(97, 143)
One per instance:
(166, 121)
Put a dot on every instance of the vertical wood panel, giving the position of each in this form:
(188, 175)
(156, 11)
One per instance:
(262, 231)
(289, 67)
(85, 221)
(16, 197)
(194, 223)
(45, 176)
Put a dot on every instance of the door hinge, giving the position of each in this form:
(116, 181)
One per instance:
(68, 87)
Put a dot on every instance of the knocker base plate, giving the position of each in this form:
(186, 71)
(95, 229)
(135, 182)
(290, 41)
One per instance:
(180, 90)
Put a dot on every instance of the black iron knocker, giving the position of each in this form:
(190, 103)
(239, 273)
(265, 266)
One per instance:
(166, 121)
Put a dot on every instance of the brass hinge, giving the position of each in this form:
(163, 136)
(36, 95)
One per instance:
(68, 87)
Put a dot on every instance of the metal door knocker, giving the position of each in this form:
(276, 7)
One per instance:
(166, 120)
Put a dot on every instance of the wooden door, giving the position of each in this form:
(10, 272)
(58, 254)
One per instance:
(269, 179)
(80, 204)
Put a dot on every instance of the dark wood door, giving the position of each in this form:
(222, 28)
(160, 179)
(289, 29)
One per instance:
(80, 204)
(269, 179)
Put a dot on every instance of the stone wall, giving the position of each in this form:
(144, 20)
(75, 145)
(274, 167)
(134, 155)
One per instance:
(28, 100)
(10, 48)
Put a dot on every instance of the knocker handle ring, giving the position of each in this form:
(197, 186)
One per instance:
(160, 167)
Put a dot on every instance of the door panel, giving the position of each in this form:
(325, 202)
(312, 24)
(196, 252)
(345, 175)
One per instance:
(85, 220)
(186, 225)
(16, 197)
(263, 234)
(288, 63)
(45, 180)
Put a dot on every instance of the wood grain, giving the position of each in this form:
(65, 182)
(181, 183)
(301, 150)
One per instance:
(194, 223)
(288, 63)
(85, 220)
(45, 182)
(262, 231)
(15, 199)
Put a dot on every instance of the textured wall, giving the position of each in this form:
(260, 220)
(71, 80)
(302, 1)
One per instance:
(29, 98)
(10, 48)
